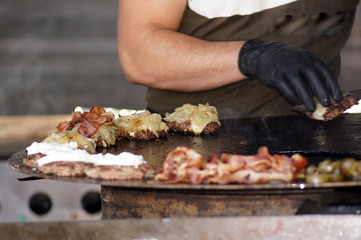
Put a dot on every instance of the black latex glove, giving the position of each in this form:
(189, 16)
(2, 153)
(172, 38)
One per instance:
(296, 73)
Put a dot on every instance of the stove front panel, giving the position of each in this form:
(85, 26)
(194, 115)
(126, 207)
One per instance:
(46, 200)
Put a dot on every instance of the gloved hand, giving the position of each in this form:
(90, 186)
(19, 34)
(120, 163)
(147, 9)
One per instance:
(296, 73)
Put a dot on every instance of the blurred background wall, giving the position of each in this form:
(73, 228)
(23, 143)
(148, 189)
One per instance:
(55, 55)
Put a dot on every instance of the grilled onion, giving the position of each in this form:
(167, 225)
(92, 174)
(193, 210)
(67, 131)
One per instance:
(105, 135)
(330, 171)
(350, 168)
(72, 135)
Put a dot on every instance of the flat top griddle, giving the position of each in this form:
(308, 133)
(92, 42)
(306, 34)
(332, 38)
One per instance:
(317, 140)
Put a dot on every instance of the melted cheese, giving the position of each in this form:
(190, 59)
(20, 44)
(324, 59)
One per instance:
(141, 121)
(319, 112)
(199, 116)
(70, 152)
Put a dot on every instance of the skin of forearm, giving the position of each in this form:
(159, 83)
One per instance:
(165, 59)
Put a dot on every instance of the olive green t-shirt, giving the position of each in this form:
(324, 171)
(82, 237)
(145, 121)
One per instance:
(320, 26)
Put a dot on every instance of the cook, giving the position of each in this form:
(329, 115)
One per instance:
(247, 58)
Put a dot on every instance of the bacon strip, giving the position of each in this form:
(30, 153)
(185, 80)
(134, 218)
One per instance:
(184, 165)
(90, 121)
(179, 164)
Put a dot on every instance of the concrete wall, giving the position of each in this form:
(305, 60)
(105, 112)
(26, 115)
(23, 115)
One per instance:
(55, 55)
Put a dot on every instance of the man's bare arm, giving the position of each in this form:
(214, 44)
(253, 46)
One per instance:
(154, 54)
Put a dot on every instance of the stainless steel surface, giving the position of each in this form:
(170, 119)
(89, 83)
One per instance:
(65, 198)
(310, 227)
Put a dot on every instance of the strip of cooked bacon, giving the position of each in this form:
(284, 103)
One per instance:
(76, 117)
(90, 121)
(97, 110)
(184, 165)
(69, 125)
(177, 164)
(260, 168)
(64, 126)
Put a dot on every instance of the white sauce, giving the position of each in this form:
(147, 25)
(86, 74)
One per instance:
(116, 112)
(69, 152)
(355, 108)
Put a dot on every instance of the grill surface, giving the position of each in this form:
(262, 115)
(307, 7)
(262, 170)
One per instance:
(316, 140)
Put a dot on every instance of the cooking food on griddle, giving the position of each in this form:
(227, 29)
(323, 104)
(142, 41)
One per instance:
(65, 160)
(334, 110)
(184, 165)
(141, 126)
(71, 151)
(192, 119)
(87, 129)
(333, 171)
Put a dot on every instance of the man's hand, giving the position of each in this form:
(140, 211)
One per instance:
(296, 73)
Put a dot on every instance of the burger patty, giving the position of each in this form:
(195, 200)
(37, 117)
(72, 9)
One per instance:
(336, 109)
(81, 169)
(186, 127)
(60, 168)
(64, 169)
(119, 172)
(32, 159)
(141, 135)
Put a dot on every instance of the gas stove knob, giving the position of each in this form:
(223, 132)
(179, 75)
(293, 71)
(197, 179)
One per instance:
(40, 203)
(91, 202)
